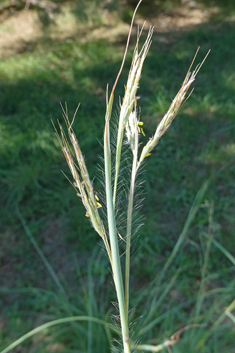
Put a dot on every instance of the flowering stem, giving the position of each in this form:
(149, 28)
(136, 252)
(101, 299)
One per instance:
(116, 265)
(129, 216)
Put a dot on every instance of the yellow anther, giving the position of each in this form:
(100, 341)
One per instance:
(96, 197)
(142, 131)
(87, 214)
(98, 205)
(148, 154)
(140, 123)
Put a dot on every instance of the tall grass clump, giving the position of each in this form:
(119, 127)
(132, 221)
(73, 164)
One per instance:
(108, 212)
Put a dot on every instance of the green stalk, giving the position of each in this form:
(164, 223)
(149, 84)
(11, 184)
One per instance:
(117, 163)
(116, 264)
(129, 219)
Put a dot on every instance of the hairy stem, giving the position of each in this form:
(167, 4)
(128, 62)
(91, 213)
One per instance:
(116, 264)
(129, 217)
(117, 163)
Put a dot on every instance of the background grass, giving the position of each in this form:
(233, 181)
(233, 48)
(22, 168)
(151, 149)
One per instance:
(33, 80)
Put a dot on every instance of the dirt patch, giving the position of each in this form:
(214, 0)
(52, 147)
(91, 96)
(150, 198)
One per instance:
(23, 27)
(182, 18)
(16, 31)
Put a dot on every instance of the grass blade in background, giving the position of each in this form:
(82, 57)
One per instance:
(42, 256)
(53, 323)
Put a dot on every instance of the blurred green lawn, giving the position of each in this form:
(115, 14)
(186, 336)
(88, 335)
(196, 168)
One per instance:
(50, 70)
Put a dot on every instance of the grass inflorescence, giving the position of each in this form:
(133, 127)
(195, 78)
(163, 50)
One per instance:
(132, 126)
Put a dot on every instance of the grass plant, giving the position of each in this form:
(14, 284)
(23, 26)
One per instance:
(208, 312)
(129, 122)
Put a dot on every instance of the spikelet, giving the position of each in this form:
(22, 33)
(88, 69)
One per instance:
(131, 130)
(133, 79)
(82, 182)
(172, 111)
